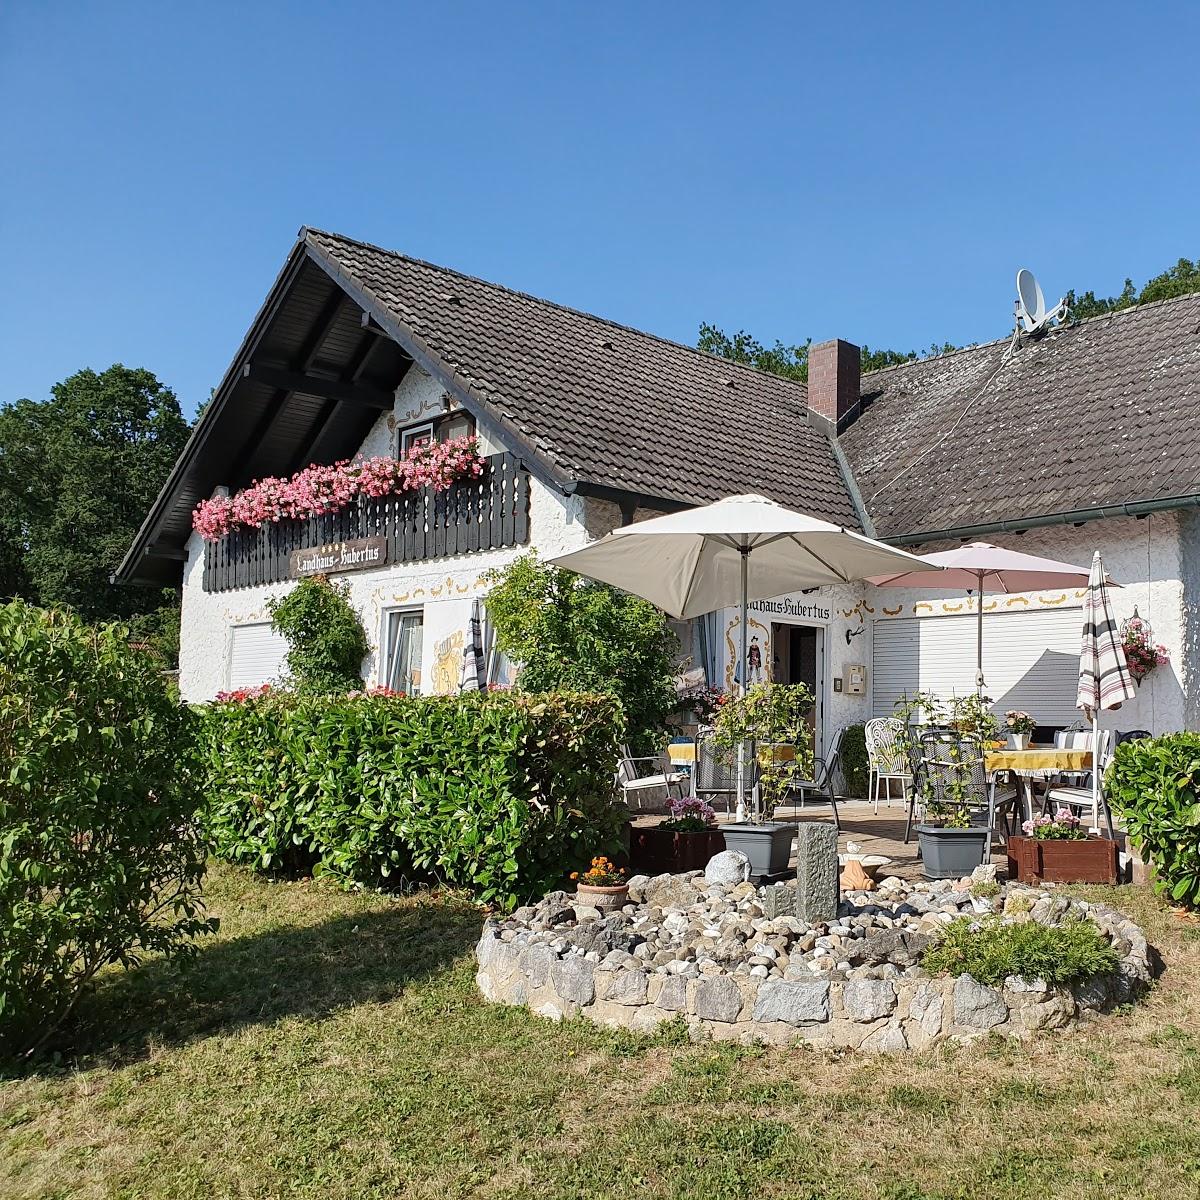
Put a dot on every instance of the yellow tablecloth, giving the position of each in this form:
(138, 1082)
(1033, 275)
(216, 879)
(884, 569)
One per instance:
(1037, 758)
(681, 753)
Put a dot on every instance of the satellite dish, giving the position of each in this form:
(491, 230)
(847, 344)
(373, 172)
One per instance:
(1031, 304)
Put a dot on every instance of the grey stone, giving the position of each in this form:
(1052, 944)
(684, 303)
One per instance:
(926, 1009)
(888, 1040)
(717, 999)
(795, 1003)
(816, 871)
(627, 987)
(779, 901)
(977, 1006)
(536, 962)
(572, 978)
(729, 866)
(670, 891)
(868, 999)
(672, 996)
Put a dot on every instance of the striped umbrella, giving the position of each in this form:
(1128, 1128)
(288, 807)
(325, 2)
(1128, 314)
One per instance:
(474, 664)
(1104, 679)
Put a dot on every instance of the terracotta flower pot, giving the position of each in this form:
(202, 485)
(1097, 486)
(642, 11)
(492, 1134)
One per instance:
(654, 850)
(603, 897)
(1078, 860)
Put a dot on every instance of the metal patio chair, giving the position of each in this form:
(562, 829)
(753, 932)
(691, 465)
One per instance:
(637, 775)
(887, 758)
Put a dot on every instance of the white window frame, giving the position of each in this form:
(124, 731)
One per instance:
(385, 644)
(406, 437)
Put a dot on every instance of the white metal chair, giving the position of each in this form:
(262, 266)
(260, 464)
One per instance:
(887, 758)
(1078, 795)
(638, 775)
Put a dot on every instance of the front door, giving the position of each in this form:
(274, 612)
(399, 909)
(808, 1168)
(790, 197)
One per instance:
(797, 656)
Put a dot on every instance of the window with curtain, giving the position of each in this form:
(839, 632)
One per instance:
(403, 664)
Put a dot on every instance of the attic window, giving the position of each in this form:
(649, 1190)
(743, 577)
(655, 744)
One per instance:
(451, 298)
(728, 383)
(605, 343)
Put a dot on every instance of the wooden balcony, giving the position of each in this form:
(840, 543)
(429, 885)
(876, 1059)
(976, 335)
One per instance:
(483, 514)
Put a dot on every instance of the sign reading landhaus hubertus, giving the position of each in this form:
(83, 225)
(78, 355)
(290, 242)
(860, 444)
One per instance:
(338, 556)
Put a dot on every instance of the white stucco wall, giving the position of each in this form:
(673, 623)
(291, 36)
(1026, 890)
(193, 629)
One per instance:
(442, 588)
(1144, 556)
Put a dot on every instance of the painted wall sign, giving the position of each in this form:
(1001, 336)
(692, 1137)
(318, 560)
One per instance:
(355, 555)
(788, 607)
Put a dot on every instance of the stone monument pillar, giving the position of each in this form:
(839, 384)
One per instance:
(817, 891)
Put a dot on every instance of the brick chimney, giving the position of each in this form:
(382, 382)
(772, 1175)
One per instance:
(833, 370)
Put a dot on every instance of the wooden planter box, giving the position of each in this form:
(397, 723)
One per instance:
(1090, 860)
(653, 851)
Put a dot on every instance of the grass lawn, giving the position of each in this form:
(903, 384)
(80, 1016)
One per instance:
(330, 1045)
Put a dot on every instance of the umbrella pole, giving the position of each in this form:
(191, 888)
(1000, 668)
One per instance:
(979, 637)
(740, 815)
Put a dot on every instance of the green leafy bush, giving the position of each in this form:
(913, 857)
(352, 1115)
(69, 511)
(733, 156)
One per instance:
(501, 793)
(991, 950)
(326, 640)
(573, 634)
(854, 760)
(1154, 784)
(100, 856)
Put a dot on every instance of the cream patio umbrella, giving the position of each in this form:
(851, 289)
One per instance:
(736, 550)
(980, 568)
(1104, 679)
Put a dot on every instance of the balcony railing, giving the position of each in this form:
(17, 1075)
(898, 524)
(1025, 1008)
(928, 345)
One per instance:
(481, 514)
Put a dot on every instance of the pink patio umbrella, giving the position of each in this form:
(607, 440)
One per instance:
(980, 568)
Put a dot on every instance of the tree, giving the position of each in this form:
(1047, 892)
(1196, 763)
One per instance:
(792, 361)
(1180, 280)
(326, 640)
(78, 473)
(573, 634)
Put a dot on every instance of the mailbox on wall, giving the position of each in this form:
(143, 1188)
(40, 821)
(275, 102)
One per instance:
(855, 677)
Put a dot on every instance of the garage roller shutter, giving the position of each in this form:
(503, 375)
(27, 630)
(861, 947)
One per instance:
(256, 654)
(1030, 660)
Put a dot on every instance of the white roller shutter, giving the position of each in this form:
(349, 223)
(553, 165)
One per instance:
(256, 654)
(1030, 660)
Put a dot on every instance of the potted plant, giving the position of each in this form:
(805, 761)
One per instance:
(952, 844)
(602, 885)
(1058, 849)
(685, 841)
(1142, 652)
(1019, 725)
(765, 725)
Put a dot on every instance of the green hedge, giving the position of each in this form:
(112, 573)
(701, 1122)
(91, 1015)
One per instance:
(854, 760)
(501, 793)
(1154, 784)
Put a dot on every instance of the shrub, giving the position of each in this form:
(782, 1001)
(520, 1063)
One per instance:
(326, 640)
(990, 950)
(501, 793)
(573, 634)
(854, 760)
(1154, 784)
(100, 858)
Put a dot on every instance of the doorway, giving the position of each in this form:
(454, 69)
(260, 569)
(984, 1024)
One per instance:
(797, 656)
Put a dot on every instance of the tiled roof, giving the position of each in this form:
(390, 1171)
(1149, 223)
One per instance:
(604, 404)
(1102, 412)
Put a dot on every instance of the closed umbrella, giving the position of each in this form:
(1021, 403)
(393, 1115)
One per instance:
(736, 550)
(474, 664)
(981, 567)
(1104, 679)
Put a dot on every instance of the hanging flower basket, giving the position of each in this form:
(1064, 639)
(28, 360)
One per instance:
(1142, 653)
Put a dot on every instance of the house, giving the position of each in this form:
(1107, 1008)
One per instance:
(1083, 438)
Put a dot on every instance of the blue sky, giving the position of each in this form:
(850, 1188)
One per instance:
(869, 171)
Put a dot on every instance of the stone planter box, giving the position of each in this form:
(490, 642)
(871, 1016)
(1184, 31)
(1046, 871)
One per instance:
(1084, 860)
(768, 846)
(657, 851)
(952, 853)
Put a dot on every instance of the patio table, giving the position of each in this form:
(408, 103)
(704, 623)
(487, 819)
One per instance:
(1026, 765)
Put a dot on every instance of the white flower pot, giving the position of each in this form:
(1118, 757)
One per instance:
(1018, 741)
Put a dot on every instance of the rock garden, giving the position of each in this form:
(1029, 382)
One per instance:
(901, 966)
